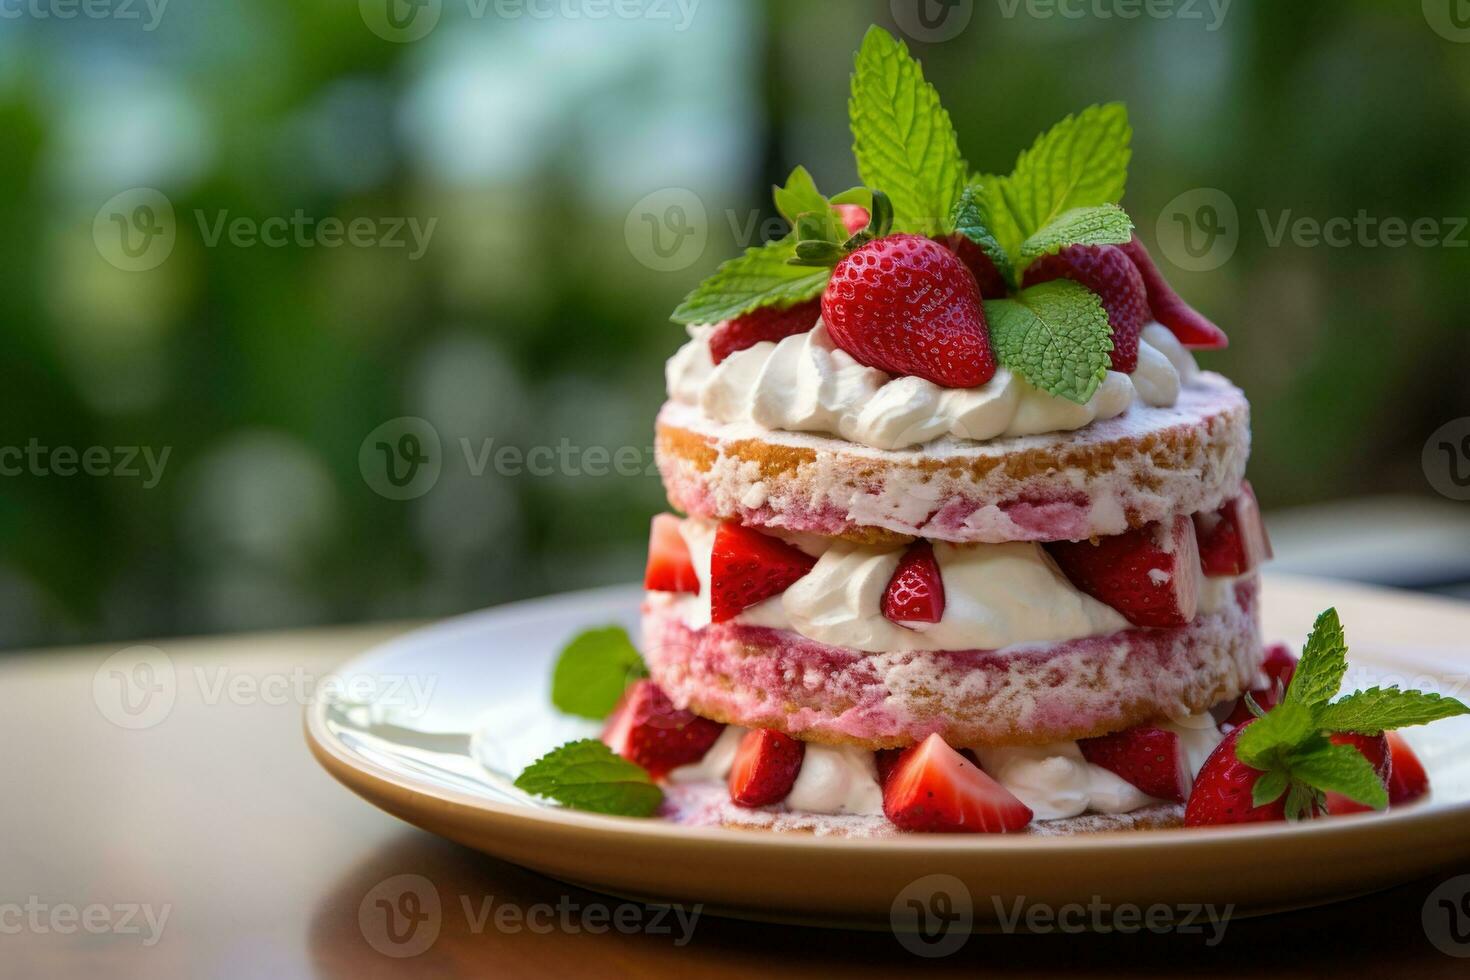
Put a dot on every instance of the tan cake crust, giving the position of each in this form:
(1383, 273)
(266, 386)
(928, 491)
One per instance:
(1122, 473)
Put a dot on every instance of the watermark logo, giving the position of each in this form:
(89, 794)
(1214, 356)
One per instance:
(932, 21)
(1199, 230)
(401, 21)
(143, 463)
(121, 10)
(135, 231)
(66, 919)
(401, 916)
(932, 916)
(402, 458)
(1211, 12)
(1446, 917)
(667, 230)
(1446, 459)
(136, 688)
(1450, 19)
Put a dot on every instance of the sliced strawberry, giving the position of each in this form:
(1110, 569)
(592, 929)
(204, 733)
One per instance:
(854, 217)
(1222, 790)
(747, 567)
(885, 760)
(670, 568)
(908, 306)
(934, 788)
(647, 729)
(1108, 272)
(1192, 329)
(916, 592)
(1376, 750)
(1150, 758)
(767, 323)
(1150, 575)
(1279, 667)
(1232, 540)
(765, 767)
(992, 284)
(1407, 780)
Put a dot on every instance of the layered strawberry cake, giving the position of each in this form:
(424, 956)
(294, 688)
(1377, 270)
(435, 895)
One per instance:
(964, 538)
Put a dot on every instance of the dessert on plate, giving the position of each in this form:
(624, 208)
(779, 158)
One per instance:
(964, 537)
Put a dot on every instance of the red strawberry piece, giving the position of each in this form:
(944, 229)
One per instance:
(934, 788)
(1150, 758)
(1279, 667)
(1222, 790)
(1192, 329)
(747, 567)
(1376, 750)
(916, 592)
(670, 568)
(854, 217)
(886, 759)
(767, 323)
(1108, 272)
(1232, 540)
(647, 729)
(1149, 574)
(766, 764)
(907, 305)
(992, 284)
(1407, 780)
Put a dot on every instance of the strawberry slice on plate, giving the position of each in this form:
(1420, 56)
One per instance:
(766, 323)
(1152, 759)
(647, 729)
(915, 594)
(747, 567)
(931, 787)
(1232, 540)
(1108, 272)
(1149, 574)
(1375, 749)
(670, 569)
(1407, 780)
(765, 768)
(1192, 329)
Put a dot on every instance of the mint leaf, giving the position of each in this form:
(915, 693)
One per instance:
(1339, 769)
(997, 211)
(1263, 742)
(1080, 162)
(1054, 335)
(800, 199)
(593, 671)
(586, 775)
(970, 218)
(903, 139)
(1105, 224)
(1323, 665)
(763, 276)
(1379, 710)
(1269, 787)
(1303, 802)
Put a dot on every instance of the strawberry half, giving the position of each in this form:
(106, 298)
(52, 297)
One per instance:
(1108, 272)
(992, 284)
(1232, 540)
(1279, 667)
(1407, 780)
(647, 729)
(1149, 574)
(1152, 759)
(767, 323)
(1376, 750)
(915, 594)
(747, 567)
(670, 568)
(933, 788)
(1192, 329)
(765, 768)
(907, 305)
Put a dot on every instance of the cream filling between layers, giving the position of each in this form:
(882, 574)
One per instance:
(805, 383)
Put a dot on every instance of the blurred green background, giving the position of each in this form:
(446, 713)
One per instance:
(548, 143)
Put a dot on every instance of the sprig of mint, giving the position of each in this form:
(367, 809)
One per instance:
(972, 218)
(587, 775)
(818, 244)
(1290, 744)
(593, 670)
(1055, 335)
(902, 137)
(1105, 224)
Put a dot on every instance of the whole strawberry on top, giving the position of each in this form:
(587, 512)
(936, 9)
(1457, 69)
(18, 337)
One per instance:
(1310, 755)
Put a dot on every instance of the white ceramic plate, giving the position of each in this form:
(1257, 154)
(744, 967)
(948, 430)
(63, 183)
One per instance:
(398, 731)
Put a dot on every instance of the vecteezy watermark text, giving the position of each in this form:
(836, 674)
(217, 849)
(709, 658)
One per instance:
(65, 919)
(1211, 12)
(123, 10)
(125, 462)
(405, 21)
(303, 231)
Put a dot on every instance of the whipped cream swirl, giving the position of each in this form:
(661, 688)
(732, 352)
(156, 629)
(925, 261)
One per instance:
(806, 383)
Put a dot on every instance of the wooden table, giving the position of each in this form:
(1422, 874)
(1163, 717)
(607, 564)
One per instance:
(219, 818)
